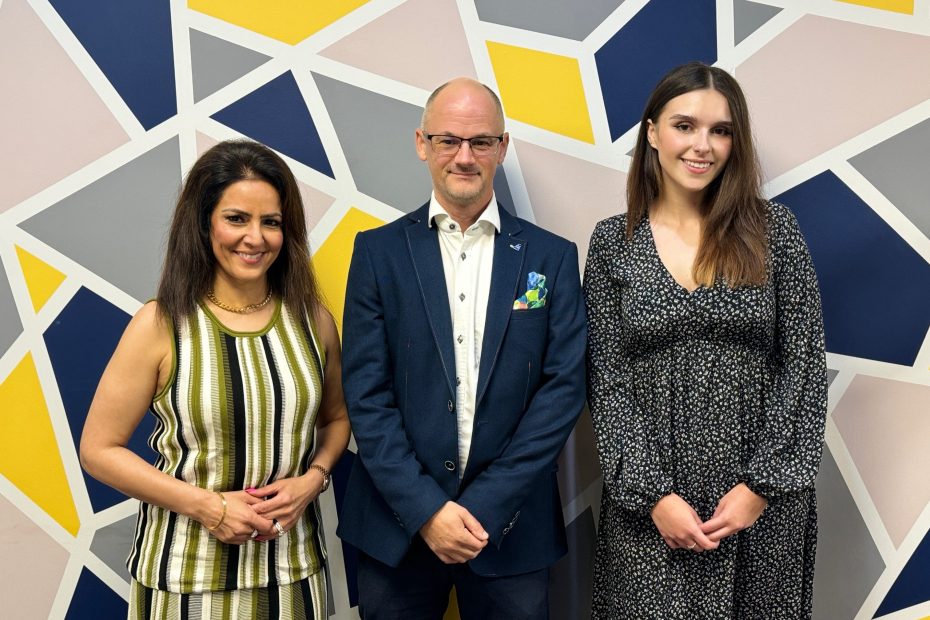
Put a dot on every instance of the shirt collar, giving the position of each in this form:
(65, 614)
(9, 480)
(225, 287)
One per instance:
(491, 215)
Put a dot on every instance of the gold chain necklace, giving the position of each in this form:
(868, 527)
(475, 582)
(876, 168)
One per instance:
(240, 309)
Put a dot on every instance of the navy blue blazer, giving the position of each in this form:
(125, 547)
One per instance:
(398, 370)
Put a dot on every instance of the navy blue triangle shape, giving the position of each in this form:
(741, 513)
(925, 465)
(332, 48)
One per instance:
(912, 586)
(276, 115)
(80, 342)
(94, 599)
(658, 43)
(875, 286)
(131, 43)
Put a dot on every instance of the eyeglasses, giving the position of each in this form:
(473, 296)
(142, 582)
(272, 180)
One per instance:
(449, 145)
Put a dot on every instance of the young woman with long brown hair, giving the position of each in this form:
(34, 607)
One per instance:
(239, 362)
(707, 378)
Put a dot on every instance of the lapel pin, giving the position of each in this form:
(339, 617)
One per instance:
(516, 246)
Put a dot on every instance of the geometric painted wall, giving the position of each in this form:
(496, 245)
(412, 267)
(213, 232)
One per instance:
(105, 105)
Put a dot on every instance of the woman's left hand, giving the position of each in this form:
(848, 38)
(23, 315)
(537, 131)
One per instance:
(286, 499)
(736, 511)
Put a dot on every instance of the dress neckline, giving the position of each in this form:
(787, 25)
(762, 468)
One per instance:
(661, 264)
(243, 334)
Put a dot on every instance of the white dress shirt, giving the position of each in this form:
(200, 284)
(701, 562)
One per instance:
(467, 258)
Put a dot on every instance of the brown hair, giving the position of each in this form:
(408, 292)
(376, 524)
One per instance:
(733, 245)
(189, 267)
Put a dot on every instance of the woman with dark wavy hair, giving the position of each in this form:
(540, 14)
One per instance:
(707, 377)
(239, 362)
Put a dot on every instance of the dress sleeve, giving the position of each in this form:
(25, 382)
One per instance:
(788, 455)
(629, 442)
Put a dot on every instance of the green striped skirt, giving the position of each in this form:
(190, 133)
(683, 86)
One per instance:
(301, 599)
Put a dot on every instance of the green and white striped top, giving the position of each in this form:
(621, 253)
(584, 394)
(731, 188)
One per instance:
(238, 411)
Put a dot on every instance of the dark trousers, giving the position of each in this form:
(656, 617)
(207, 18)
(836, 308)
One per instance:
(419, 589)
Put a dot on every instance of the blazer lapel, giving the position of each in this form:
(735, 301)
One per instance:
(509, 251)
(427, 263)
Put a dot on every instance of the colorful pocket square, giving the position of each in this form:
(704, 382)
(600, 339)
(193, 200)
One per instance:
(535, 295)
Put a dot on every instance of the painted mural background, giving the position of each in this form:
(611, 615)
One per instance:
(104, 105)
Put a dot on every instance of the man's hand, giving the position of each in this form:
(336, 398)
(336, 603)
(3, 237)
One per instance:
(454, 535)
(736, 511)
(680, 525)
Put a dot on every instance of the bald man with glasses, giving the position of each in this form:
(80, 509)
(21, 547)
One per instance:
(463, 367)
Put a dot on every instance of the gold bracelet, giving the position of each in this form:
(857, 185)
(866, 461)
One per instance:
(222, 516)
(325, 473)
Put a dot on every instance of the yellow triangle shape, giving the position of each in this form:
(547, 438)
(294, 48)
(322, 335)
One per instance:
(29, 456)
(898, 6)
(331, 261)
(42, 279)
(290, 21)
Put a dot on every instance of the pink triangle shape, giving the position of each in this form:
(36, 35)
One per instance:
(205, 143)
(398, 45)
(824, 81)
(53, 122)
(316, 203)
(569, 195)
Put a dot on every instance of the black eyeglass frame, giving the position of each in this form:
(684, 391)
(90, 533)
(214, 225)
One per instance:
(429, 138)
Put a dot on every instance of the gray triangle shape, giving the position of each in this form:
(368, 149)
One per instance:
(10, 325)
(376, 135)
(116, 226)
(560, 18)
(749, 16)
(898, 168)
(502, 191)
(112, 543)
(848, 562)
(216, 63)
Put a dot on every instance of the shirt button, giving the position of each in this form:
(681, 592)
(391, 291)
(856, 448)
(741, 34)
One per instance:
(460, 339)
(463, 255)
(451, 226)
(458, 381)
(461, 296)
(450, 406)
(449, 465)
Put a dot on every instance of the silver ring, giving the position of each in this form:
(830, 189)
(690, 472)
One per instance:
(692, 546)
(254, 534)
(278, 528)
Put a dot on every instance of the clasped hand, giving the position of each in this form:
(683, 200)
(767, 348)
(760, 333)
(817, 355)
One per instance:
(453, 534)
(240, 520)
(256, 510)
(681, 527)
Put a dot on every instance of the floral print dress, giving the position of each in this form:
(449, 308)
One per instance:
(693, 393)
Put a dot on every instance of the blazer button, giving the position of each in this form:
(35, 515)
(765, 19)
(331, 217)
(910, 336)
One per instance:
(449, 465)
(450, 406)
